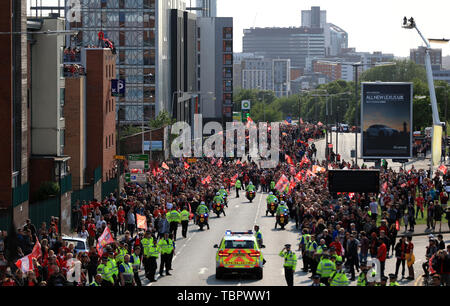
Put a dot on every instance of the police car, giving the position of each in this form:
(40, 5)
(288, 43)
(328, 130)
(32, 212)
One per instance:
(239, 253)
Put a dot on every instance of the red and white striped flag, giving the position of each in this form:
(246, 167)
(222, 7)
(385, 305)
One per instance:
(26, 263)
(443, 169)
(186, 165)
(164, 166)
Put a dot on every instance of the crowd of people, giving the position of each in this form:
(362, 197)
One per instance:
(344, 229)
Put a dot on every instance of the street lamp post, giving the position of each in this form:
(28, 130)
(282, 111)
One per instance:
(411, 24)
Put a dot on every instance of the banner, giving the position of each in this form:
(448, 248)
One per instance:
(164, 166)
(436, 144)
(26, 263)
(386, 119)
(141, 221)
(105, 239)
(282, 183)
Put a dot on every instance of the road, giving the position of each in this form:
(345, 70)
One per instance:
(194, 260)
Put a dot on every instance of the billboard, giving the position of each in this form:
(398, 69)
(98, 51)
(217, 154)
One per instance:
(354, 181)
(386, 120)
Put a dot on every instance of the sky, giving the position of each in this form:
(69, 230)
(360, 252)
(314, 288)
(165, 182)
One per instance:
(371, 25)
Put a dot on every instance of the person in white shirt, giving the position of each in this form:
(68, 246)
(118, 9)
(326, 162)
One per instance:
(373, 208)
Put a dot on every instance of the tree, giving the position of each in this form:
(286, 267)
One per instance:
(162, 120)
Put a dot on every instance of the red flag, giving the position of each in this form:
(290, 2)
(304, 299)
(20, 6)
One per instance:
(105, 239)
(291, 185)
(219, 163)
(443, 169)
(304, 160)
(292, 170)
(316, 169)
(288, 159)
(186, 165)
(26, 263)
(238, 162)
(141, 221)
(384, 186)
(299, 176)
(206, 180)
(164, 166)
(282, 183)
(397, 225)
(319, 123)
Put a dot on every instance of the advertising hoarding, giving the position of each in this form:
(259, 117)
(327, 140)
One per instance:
(386, 120)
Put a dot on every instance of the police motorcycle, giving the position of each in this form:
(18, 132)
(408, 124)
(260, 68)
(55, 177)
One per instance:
(272, 207)
(250, 195)
(202, 220)
(218, 209)
(283, 218)
(281, 197)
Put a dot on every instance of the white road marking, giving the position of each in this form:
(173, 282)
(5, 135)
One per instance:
(236, 206)
(203, 270)
(259, 206)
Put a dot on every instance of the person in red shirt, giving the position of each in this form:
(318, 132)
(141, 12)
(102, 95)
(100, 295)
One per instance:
(337, 245)
(381, 255)
(121, 219)
(84, 209)
(419, 205)
(92, 230)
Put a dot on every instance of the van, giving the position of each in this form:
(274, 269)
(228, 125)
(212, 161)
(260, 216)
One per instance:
(80, 244)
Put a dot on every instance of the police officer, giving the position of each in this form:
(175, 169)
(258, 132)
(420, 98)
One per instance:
(174, 218)
(105, 272)
(325, 269)
(280, 209)
(126, 274)
(135, 261)
(258, 236)
(184, 215)
(338, 278)
(393, 280)
(290, 262)
(362, 278)
(270, 199)
(97, 282)
(316, 281)
(165, 245)
(238, 186)
(112, 265)
(202, 209)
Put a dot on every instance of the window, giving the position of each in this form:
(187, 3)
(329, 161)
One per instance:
(62, 93)
(62, 141)
(227, 59)
(228, 46)
(227, 33)
(228, 72)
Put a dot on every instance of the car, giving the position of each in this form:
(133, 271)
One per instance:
(239, 253)
(380, 130)
(333, 128)
(80, 244)
(344, 128)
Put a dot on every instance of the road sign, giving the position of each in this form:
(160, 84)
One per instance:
(157, 145)
(137, 158)
(192, 160)
(122, 157)
(135, 177)
(245, 104)
(117, 88)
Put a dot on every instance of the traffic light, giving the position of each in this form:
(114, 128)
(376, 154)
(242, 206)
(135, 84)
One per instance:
(245, 115)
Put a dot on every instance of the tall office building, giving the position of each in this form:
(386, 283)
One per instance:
(215, 64)
(418, 57)
(336, 38)
(314, 18)
(292, 43)
(208, 8)
(140, 31)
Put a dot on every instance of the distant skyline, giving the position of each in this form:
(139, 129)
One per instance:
(371, 25)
